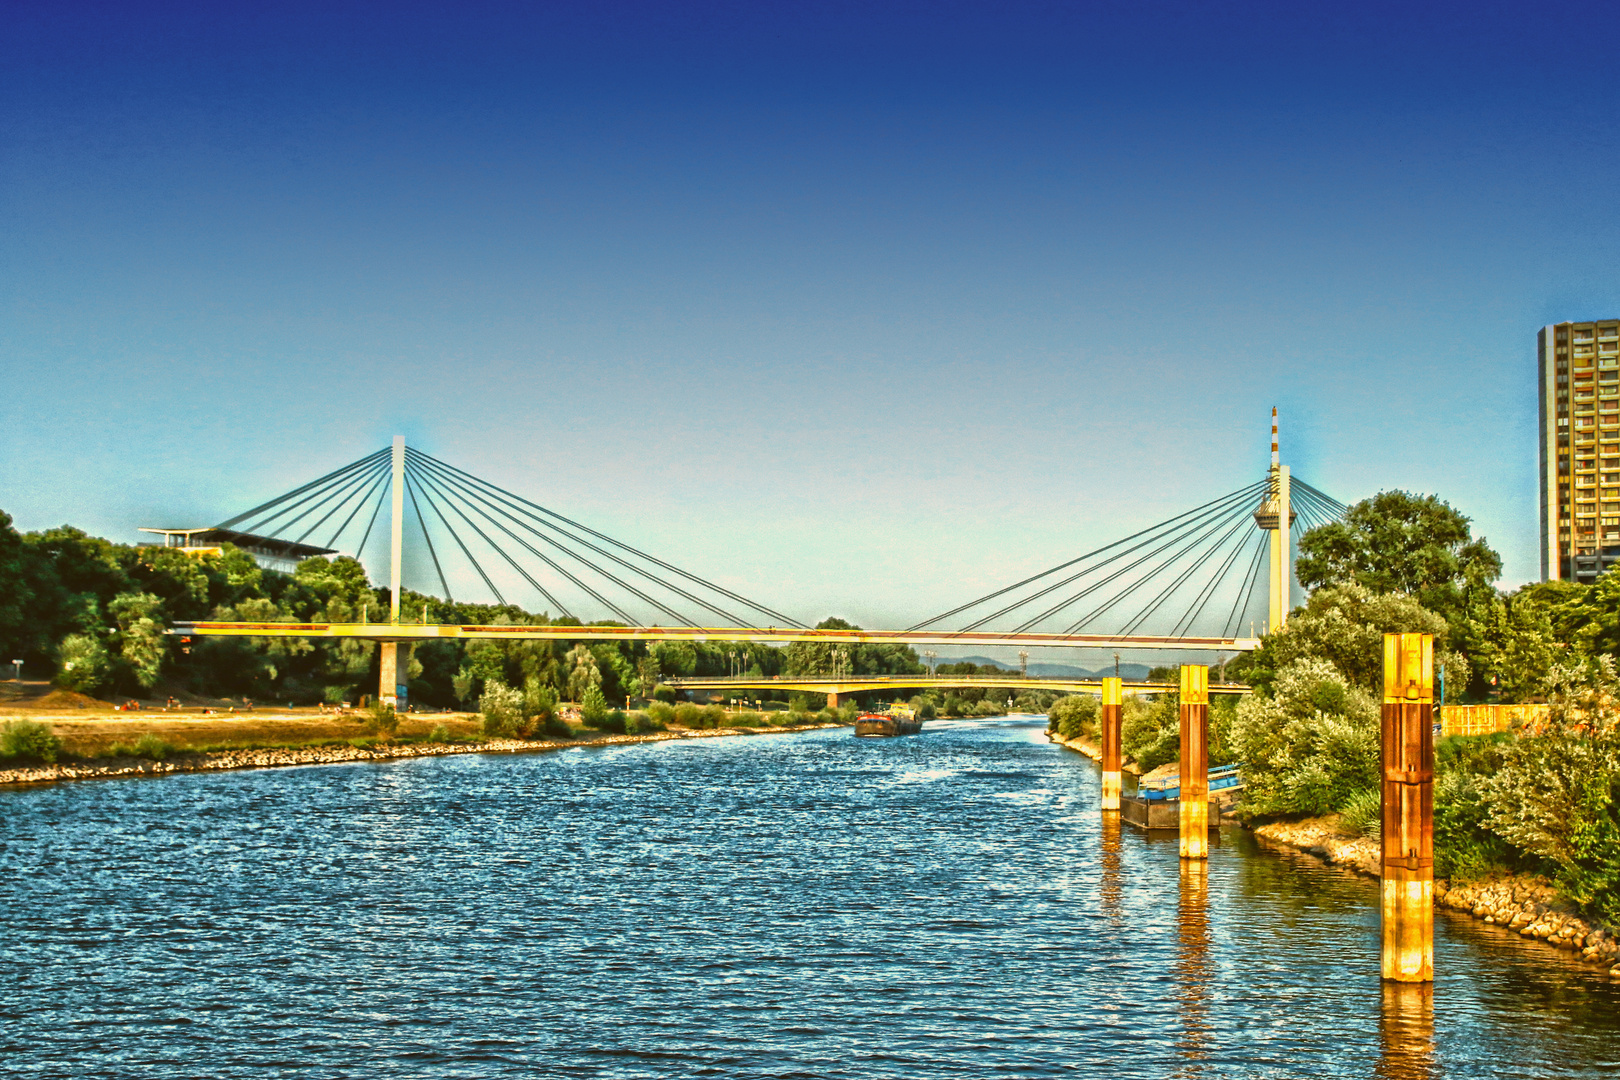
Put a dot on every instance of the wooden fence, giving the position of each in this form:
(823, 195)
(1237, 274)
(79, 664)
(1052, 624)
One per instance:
(1486, 719)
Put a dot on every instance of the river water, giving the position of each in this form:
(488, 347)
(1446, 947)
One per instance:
(813, 905)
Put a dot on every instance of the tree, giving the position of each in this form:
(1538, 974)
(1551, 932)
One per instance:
(1310, 745)
(583, 674)
(141, 644)
(1397, 542)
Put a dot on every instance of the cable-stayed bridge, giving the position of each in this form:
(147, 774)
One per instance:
(1196, 581)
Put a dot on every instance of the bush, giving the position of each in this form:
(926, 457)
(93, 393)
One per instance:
(743, 720)
(150, 746)
(593, 710)
(557, 728)
(1150, 730)
(1074, 715)
(539, 706)
(381, 719)
(83, 664)
(642, 723)
(1309, 746)
(502, 710)
(29, 740)
(1557, 795)
(662, 714)
(1363, 812)
(664, 694)
(615, 722)
(688, 715)
(440, 734)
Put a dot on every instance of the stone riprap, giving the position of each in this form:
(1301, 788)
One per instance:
(275, 757)
(1527, 905)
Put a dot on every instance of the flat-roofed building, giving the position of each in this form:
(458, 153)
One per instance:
(1579, 368)
(268, 551)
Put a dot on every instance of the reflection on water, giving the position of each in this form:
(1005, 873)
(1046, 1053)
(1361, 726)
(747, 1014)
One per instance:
(1193, 975)
(950, 906)
(1111, 892)
(1406, 1032)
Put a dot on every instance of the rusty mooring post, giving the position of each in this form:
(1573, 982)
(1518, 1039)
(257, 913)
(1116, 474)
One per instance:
(1194, 761)
(1408, 758)
(1113, 702)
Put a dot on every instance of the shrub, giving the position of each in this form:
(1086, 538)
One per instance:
(1363, 811)
(744, 720)
(593, 710)
(1150, 730)
(502, 710)
(539, 705)
(1557, 795)
(440, 734)
(662, 714)
(664, 694)
(1073, 716)
(688, 715)
(615, 722)
(83, 664)
(381, 719)
(150, 746)
(713, 716)
(1310, 745)
(556, 727)
(29, 741)
(641, 723)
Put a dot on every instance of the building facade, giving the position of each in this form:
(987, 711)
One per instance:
(1579, 368)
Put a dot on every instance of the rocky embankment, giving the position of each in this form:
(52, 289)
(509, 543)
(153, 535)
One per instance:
(273, 757)
(1527, 905)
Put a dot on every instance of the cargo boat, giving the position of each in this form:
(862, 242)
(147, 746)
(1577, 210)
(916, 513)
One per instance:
(899, 720)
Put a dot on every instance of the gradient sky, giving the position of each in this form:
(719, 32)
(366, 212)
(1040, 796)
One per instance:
(857, 307)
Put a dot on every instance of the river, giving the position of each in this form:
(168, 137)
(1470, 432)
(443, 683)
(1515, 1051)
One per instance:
(813, 905)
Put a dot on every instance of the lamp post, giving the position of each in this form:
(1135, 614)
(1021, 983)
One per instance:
(18, 665)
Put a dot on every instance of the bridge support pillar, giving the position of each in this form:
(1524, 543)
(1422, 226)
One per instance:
(1113, 702)
(832, 701)
(1194, 761)
(395, 673)
(1408, 808)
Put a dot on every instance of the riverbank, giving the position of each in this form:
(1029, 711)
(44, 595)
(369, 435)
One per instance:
(344, 752)
(1527, 905)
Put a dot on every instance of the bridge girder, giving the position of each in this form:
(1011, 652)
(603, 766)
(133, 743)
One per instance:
(908, 682)
(654, 634)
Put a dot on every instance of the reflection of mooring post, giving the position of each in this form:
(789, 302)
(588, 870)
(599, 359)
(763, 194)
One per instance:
(1194, 761)
(1408, 758)
(1113, 700)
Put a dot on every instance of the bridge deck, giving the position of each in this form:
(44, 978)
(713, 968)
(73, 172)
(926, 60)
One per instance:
(650, 634)
(859, 683)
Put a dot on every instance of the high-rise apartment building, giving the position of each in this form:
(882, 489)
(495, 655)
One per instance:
(1579, 365)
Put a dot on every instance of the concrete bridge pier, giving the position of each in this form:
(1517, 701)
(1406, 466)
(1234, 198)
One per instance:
(1113, 702)
(1407, 746)
(832, 701)
(1194, 761)
(396, 666)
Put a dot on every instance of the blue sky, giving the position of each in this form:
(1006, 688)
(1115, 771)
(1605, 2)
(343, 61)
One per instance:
(858, 308)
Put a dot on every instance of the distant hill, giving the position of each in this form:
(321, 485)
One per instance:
(1134, 672)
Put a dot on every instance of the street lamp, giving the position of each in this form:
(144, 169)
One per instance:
(18, 665)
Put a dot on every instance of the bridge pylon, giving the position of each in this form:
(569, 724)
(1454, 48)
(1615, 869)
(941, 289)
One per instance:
(1275, 515)
(1194, 795)
(393, 676)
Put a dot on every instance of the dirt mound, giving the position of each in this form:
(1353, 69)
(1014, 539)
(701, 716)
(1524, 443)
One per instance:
(68, 699)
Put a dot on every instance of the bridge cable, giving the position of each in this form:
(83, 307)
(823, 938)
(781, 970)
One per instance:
(364, 499)
(459, 543)
(427, 482)
(468, 494)
(310, 502)
(1178, 529)
(1078, 559)
(378, 474)
(381, 498)
(445, 492)
(1204, 596)
(1189, 535)
(1234, 622)
(1186, 545)
(1169, 590)
(467, 490)
(1186, 531)
(784, 619)
(410, 488)
(228, 522)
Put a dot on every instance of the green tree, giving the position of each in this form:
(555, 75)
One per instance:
(83, 664)
(583, 673)
(593, 710)
(1397, 542)
(1310, 745)
(141, 644)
